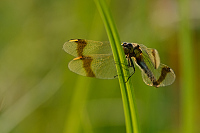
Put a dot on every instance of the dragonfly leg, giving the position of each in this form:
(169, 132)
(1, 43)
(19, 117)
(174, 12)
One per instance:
(131, 64)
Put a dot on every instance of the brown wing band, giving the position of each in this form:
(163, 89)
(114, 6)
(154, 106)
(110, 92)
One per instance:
(81, 43)
(164, 72)
(87, 60)
(154, 55)
(87, 66)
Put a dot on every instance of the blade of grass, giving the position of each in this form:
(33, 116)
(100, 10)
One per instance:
(119, 57)
(73, 122)
(187, 69)
(28, 103)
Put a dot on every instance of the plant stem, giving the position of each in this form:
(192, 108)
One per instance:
(187, 70)
(122, 69)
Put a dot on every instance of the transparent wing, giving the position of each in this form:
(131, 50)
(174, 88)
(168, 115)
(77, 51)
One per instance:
(153, 72)
(99, 66)
(162, 76)
(151, 55)
(80, 47)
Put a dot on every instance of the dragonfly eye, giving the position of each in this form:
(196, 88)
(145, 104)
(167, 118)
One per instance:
(128, 47)
(124, 44)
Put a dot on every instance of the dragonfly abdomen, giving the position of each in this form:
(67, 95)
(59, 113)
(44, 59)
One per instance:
(146, 70)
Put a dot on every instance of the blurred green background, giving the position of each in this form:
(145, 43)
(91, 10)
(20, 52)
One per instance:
(39, 94)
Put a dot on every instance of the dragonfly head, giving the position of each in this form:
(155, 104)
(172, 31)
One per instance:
(127, 47)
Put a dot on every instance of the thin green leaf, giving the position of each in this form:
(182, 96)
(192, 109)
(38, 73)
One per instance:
(187, 69)
(122, 69)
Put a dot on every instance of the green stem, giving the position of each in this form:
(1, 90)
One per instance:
(122, 69)
(187, 69)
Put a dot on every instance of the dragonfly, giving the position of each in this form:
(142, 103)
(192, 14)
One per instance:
(95, 59)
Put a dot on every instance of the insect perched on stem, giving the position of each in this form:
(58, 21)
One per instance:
(95, 59)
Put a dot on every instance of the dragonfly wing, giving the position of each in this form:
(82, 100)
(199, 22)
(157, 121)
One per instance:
(162, 76)
(152, 54)
(154, 57)
(81, 47)
(99, 66)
